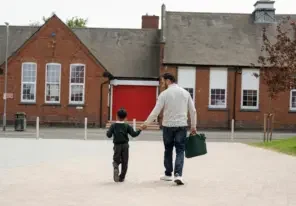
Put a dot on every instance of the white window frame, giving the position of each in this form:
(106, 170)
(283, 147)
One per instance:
(187, 85)
(257, 88)
(225, 87)
(60, 70)
(292, 108)
(83, 84)
(35, 83)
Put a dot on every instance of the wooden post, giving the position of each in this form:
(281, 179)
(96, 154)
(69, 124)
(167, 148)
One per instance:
(271, 126)
(264, 127)
(268, 126)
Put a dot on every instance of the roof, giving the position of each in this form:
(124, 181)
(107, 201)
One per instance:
(226, 39)
(123, 52)
(17, 37)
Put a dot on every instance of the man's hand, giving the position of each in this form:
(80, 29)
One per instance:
(193, 131)
(143, 127)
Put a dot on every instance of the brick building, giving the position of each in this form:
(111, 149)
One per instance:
(60, 74)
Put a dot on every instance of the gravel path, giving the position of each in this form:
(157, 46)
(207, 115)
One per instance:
(51, 172)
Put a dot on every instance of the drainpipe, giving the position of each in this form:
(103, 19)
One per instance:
(234, 95)
(110, 77)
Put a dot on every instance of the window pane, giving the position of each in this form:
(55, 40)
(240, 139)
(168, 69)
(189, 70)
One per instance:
(191, 91)
(76, 93)
(293, 103)
(53, 92)
(53, 73)
(29, 73)
(77, 74)
(250, 98)
(28, 92)
(218, 97)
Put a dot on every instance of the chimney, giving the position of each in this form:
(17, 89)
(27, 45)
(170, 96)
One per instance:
(163, 24)
(264, 12)
(150, 22)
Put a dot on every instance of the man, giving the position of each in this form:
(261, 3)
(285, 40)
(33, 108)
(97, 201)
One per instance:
(175, 102)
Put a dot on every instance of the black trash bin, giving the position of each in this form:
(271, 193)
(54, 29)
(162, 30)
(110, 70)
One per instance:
(20, 123)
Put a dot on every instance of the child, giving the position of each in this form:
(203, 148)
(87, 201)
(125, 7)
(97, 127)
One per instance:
(120, 131)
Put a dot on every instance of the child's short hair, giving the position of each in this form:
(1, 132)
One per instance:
(121, 113)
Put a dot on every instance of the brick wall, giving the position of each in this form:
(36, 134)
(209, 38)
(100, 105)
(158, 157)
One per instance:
(221, 118)
(67, 50)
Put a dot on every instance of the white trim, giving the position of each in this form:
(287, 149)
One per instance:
(210, 88)
(22, 83)
(187, 81)
(111, 103)
(257, 88)
(116, 82)
(290, 106)
(83, 97)
(60, 68)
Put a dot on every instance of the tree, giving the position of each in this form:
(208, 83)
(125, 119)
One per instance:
(74, 22)
(278, 62)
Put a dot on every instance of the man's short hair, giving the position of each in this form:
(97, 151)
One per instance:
(121, 113)
(169, 76)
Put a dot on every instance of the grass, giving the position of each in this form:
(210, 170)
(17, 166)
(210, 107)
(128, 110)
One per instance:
(287, 146)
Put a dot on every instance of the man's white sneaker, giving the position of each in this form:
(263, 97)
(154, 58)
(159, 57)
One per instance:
(178, 180)
(166, 178)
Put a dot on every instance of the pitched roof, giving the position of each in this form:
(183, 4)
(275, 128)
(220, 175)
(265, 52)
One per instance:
(124, 52)
(17, 37)
(213, 39)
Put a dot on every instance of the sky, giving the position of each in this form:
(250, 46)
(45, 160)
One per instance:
(121, 13)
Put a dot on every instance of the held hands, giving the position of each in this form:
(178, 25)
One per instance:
(143, 127)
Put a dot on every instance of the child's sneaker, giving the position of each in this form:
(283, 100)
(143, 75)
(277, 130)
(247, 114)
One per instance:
(166, 178)
(115, 172)
(121, 179)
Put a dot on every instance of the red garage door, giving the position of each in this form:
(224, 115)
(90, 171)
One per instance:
(137, 100)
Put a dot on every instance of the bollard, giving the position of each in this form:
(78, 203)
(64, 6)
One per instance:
(134, 124)
(85, 128)
(232, 129)
(37, 128)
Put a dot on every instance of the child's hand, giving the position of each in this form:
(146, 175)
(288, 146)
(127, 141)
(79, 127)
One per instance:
(143, 127)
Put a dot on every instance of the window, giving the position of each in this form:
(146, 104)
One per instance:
(186, 79)
(28, 87)
(218, 88)
(250, 89)
(293, 95)
(190, 90)
(293, 99)
(52, 83)
(77, 85)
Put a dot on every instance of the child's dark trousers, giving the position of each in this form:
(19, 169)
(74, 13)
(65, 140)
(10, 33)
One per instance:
(121, 154)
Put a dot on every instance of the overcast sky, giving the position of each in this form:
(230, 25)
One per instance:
(121, 13)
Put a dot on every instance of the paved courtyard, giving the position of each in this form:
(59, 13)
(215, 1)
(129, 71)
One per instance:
(76, 172)
(100, 134)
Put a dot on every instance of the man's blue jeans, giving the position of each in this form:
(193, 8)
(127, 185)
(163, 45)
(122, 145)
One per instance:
(174, 136)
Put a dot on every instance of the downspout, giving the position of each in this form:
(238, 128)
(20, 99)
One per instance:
(110, 77)
(234, 95)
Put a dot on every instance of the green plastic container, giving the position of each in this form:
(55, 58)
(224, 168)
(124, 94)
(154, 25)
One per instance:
(20, 122)
(195, 145)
